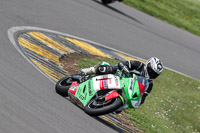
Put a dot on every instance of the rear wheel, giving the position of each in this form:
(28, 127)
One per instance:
(95, 108)
(62, 86)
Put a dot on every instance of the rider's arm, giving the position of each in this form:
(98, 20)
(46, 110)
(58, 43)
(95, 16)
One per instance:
(147, 92)
(131, 64)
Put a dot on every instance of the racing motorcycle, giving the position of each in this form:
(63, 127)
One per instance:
(109, 1)
(103, 94)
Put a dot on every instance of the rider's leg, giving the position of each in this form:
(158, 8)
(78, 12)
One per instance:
(106, 69)
(100, 70)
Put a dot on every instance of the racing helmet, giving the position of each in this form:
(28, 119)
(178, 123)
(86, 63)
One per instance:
(153, 68)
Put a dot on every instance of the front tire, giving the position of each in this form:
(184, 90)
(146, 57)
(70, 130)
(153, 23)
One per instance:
(93, 110)
(62, 86)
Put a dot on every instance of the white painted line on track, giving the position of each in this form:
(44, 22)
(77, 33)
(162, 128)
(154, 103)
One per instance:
(13, 30)
(11, 37)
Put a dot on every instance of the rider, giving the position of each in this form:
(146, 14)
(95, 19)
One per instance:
(150, 70)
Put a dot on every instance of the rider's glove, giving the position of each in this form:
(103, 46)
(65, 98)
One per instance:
(123, 68)
(144, 97)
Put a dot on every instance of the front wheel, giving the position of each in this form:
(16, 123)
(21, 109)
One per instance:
(62, 86)
(96, 108)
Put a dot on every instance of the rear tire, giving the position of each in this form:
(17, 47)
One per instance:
(62, 86)
(91, 110)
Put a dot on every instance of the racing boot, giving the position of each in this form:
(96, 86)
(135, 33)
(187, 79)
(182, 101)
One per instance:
(87, 71)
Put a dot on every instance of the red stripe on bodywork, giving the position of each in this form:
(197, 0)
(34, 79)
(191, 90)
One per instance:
(141, 88)
(102, 84)
(73, 87)
(111, 95)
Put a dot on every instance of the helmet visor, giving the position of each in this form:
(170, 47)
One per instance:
(151, 72)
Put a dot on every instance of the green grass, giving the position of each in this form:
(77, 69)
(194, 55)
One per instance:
(184, 14)
(84, 63)
(173, 106)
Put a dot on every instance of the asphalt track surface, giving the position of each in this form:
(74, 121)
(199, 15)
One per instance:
(28, 102)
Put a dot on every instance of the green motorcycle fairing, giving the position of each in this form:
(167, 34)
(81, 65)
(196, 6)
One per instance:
(134, 90)
(88, 89)
(130, 86)
(85, 92)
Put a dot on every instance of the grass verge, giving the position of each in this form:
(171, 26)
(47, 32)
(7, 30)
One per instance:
(172, 107)
(184, 14)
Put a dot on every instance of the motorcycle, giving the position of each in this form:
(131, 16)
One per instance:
(109, 1)
(103, 94)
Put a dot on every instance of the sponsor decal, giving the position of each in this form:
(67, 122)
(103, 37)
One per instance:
(105, 76)
(73, 87)
(101, 81)
(131, 85)
(116, 80)
(104, 82)
(138, 103)
(81, 97)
